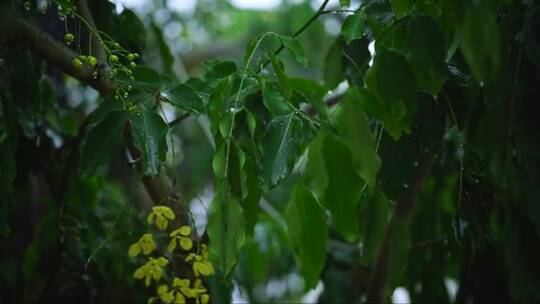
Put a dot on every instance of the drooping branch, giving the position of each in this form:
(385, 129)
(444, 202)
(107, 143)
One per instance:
(403, 212)
(57, 54)
(60, 56)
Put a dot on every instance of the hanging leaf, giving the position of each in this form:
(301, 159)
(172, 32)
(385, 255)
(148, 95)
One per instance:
(344, 187)
(281, 76)
(226, 230)
(312, 92)
(295, 48)
(185, 98)
(353, 27)
(426, 53)
(149, 136)
(333, 70)
(217, 69)
(307, 232)
(402, 7)
(107, 106)
(273, 100)
(167, 59)
(316, 173)
(279, 148)
(353, 126)
(250, 204)
(99, 139)
(391, 79)
(480, 43)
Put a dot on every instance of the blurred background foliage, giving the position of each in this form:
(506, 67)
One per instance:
(475, 232)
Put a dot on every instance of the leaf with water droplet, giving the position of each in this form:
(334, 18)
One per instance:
(279, 148)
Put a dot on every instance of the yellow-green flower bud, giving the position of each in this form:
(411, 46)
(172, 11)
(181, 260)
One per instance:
(77, 63)
(113, 58)
(69, 38)
(92, 61)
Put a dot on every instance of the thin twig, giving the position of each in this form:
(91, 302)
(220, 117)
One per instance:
(298, 32)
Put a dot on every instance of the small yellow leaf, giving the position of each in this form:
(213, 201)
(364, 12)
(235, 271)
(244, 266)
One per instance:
(185, 230)
(204, 268)
(205, 298)
(139, 273)
(186, 243)
(134, 250)
(161, 261)
(161, 222)
(150, 218)
(168, 213)
(180, 299)
(172, 245)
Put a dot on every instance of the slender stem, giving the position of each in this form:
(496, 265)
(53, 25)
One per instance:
(298, 32)
(338, 11)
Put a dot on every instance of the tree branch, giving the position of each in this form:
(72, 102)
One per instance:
(378, 283)
(42, 44)
(59, 55)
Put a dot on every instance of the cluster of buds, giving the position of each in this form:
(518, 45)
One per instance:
(81, 60)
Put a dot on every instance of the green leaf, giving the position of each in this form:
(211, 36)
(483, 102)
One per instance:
(480, 43)
(226, 230)
(273, 100)
(392, 80)
(344, 187)
(376, 218)
(344, 3)
(313, 93)
(217, 69)
(167, 59)
(369, 102)
(107, 106)
(353, 126)
(316, 174)
(427, 53)
(150, 137)
(281, 76)
(279, 148)
(353, 27)
(144, 79)
(402, 7)
(250, 203)
(99, 139)
(295, 48)
(185, 98)
(307, 232)
(333, 69)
